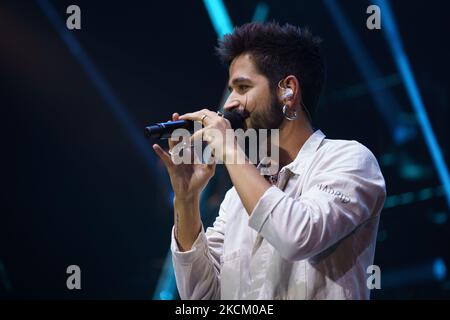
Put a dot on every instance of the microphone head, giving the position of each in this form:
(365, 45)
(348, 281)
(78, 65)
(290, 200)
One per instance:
(237, 120)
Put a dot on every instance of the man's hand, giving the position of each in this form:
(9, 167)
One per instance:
(247, 180)
(214, 133)
(188, 180)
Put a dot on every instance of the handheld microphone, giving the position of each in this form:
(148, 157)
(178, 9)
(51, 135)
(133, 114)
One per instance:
(163, 130)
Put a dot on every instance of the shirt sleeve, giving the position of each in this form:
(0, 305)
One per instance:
(346, 188)
(197, 270)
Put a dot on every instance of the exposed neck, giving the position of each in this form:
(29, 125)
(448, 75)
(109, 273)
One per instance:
(293, 135)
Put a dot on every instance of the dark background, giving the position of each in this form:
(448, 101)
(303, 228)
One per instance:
(81, 186)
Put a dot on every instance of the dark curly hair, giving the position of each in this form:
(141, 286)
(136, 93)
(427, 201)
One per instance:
(279, 51)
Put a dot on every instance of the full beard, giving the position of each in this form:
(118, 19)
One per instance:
(270, 117)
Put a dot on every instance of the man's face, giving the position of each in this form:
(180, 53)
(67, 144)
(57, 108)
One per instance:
(250, 93)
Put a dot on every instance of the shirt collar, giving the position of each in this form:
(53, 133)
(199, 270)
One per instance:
(309, 147)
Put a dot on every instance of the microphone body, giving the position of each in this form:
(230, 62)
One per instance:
(163, 130)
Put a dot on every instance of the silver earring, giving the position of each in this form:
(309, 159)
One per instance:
(288, 114)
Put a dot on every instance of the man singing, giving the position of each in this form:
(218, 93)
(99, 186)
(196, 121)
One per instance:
(310, 231)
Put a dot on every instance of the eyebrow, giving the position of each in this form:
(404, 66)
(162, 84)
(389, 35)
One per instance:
(239, 80)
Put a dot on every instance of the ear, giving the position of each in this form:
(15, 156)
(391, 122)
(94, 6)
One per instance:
(292, 91)
(288, 93)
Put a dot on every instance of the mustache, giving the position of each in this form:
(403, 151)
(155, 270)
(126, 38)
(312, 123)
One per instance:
(244, 113)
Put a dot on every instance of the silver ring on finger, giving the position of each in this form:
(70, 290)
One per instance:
(203, 118)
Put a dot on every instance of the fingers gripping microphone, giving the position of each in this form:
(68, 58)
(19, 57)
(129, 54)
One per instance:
(164, 130)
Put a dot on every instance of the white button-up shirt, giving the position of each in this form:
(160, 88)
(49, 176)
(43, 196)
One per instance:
(310, 236)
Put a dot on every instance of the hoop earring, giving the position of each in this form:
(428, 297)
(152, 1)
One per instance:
(290, 115)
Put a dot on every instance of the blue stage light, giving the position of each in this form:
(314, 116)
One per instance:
(219, 17)
(395, 43)
(439, 269)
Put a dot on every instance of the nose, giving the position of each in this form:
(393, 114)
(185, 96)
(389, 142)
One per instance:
(231, 104)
